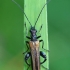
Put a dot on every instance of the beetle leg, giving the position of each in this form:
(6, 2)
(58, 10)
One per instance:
(28, 67)
(28, 37)
(45, 67)
(44, 56)
(38, 37)
(27, 47)
(26, 58)
(43, 45)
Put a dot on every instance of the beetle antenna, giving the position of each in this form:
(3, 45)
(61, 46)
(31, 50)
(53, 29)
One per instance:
(22, 11)
(41, 12)
(40, 27)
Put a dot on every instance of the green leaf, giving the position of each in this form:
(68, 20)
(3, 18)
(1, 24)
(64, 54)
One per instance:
(32, 9)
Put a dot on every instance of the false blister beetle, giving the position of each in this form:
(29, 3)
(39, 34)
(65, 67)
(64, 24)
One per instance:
(34, 44)
(34, 53)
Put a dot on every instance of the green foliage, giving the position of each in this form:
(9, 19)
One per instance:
(32, 9)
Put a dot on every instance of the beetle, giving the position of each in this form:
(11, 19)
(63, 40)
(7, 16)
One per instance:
(34, 50)
(34, 44)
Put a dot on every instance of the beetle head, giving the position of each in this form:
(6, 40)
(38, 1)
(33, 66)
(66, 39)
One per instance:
(33, 31)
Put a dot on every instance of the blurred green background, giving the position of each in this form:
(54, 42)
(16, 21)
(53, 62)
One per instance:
(11, 35)
(59, 34)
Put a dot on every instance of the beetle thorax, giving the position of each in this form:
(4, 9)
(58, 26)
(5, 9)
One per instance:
(33, 33)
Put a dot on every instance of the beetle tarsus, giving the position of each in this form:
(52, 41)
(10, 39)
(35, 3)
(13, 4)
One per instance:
(45, 67)
(28, 67)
